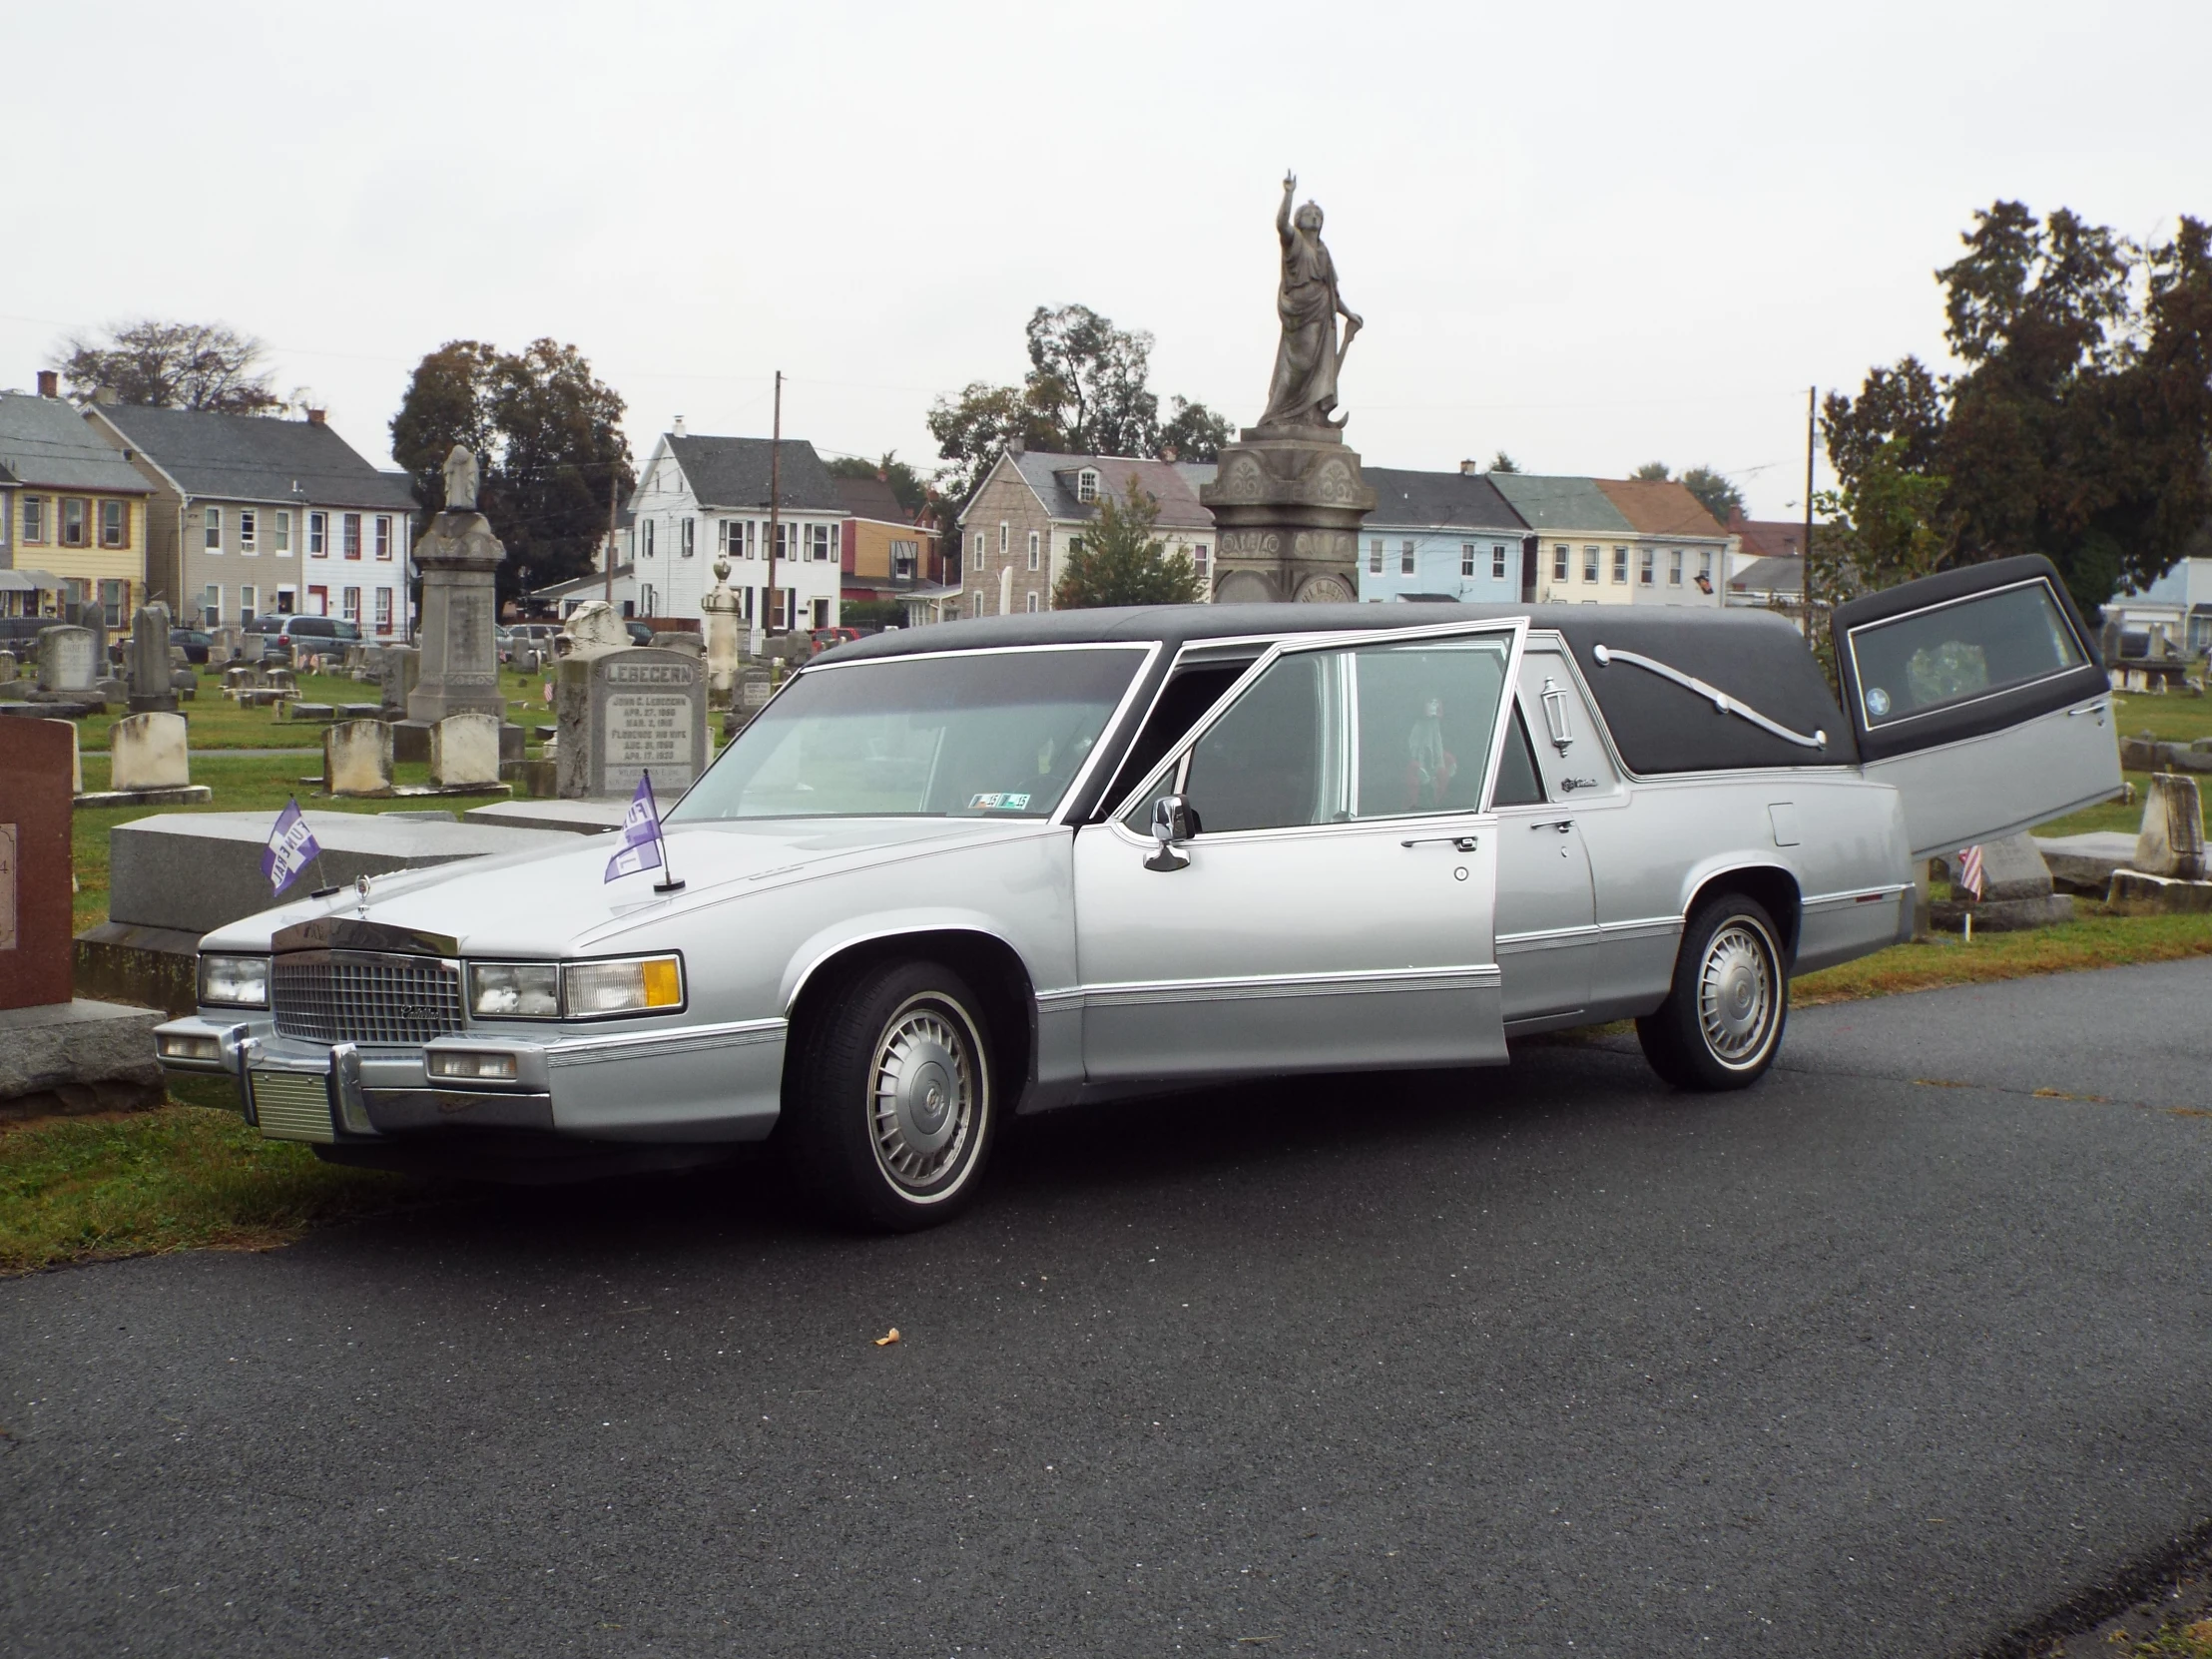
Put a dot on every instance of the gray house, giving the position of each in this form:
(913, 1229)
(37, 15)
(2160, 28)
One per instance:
(252, 516)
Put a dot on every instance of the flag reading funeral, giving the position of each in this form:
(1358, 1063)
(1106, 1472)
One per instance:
(641, 834)
(292, 844)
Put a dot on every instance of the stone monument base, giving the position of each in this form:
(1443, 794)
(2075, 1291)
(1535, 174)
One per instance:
(1286, 506)
(78, 1056)
(410, 740)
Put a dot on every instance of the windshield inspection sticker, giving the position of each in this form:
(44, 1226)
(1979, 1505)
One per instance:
(998, 803)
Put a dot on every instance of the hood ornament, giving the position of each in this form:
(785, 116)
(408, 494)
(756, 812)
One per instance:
(360, 894)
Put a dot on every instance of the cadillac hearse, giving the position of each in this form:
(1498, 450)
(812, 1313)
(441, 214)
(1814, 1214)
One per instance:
(1014, 863)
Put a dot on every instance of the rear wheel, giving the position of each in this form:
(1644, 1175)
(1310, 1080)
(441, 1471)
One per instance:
(890, 1105)
(1721, 1024)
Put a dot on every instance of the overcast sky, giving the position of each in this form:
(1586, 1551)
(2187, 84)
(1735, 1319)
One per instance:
(1589, 235)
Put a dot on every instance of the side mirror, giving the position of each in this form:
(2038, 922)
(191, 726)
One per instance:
(1556, 720)
(1171, 822)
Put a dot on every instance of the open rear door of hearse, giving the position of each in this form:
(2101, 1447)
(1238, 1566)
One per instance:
(1979, 695)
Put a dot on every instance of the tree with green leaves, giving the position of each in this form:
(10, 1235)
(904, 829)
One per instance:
(1502, 462)
(2078, 424)
(1653, 472)
(173, 365)
(1087, 393)
(549, 439)
(912, 489)
(1716, 494)
(1119, 561)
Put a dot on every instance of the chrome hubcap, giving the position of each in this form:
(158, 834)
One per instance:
(922, 1105)
(1736, 994)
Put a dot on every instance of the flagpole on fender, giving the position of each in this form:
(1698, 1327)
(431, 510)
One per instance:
(674, 882)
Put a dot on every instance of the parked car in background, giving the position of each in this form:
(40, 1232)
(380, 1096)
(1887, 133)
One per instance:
(289, 638)
(641, 633)
(1020, 863)
(518, 637)
(827, 638)
(193, 642)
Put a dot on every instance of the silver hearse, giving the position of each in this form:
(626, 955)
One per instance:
(1013, 863)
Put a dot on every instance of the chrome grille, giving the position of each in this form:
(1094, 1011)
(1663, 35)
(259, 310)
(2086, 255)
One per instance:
(293, 1105)
(359, 996)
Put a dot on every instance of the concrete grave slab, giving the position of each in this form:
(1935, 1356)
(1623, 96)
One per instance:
(357, 758)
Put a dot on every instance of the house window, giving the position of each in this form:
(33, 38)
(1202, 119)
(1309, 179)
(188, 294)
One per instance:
(904, 556)
(976, 550)
(249, 530)
(646, 551)
(686, 536)
(76, 522)
(1620, 564)
(319, 535)
(1646, 565)
(34, 518)
(1466, 558)
(114, 523)
(350, 536)
(249, 603)
(287, 601)
(1497, 562)
(1032, 603)
(210, 606)
(1674, 568)
(1589, 564)
(1005, 531)
(1033, 544)
(383, 535)
(383, 610)
(279, 533)
(1086, 487)
(1374, 557)
(350, 606)
(1198, 560)
(819, 535)
(1405, 559)
(1559, 562)
(115, 598)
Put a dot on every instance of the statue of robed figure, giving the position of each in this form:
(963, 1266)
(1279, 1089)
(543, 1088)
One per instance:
(1304, 392)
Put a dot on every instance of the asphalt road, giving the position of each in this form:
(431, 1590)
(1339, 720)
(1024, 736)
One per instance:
(1546, 1360)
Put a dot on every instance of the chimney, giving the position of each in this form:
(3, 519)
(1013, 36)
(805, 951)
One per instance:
(49, 383)
(677, 430)
(1468, 469)
(1015, 446)
(319, 418)
(105, 396)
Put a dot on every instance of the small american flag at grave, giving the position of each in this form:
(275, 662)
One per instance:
(1969, 869)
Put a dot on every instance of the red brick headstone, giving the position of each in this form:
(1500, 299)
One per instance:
(35, 803)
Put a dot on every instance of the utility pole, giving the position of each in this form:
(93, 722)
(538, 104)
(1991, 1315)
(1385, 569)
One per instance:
(1812, 402)
(614, 483)
(774, 505)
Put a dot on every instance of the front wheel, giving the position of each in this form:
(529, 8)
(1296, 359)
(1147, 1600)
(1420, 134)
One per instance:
(892, 1102)
(1721, 1024)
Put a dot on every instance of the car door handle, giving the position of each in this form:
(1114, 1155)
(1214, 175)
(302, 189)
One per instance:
(1466, 843)
(2096, 709)
(1562, 825)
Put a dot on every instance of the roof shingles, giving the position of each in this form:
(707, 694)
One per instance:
(236, 457)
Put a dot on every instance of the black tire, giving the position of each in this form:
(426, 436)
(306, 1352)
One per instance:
(1721, 1025)
(911, 1037)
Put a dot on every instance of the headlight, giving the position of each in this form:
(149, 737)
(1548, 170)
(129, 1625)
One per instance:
(632, 988)
(235, 981)
(514, 990)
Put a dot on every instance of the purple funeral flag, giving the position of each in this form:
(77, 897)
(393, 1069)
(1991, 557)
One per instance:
(641, 834)
(290, 844)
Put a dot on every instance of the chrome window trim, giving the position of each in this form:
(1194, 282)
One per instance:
(1858, 681)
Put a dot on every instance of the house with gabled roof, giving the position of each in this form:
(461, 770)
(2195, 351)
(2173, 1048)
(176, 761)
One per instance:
(256, 516)
(72, 512)
(1440, 536)
(1681, 554)
(1033, 507)
(703, 498)
(1583, 540)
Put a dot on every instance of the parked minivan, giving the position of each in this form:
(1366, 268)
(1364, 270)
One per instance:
(287, 636)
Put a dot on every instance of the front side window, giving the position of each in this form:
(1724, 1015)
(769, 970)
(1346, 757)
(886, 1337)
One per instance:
(990, 735)
(1957, 653)
(383, 535)
(349, 534)
(319, 535)
(115, 524)
(76, 522)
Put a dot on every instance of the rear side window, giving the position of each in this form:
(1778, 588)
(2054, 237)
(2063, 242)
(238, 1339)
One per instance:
(1953, 653)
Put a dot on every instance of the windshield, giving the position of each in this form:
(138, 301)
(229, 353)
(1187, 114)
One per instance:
(985, 734)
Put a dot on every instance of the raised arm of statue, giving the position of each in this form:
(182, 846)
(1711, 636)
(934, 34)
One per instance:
(1282, 213)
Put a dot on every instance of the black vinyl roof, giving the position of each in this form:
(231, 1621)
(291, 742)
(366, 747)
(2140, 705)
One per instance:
(1753, 656)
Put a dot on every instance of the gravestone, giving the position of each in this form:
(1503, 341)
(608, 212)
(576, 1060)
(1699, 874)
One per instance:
(623, 713)
(2172, 840)
(7, 667)
(464, 750)
(147, 662)
(756, 683)
(460, 557)
(225, 643)
(2016, 891)
(357, 758)
(148, 752)
(591, 627)
(67, 660)
(397, 671)
(35, 803)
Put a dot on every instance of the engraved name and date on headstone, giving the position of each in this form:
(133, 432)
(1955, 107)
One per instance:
(648, 724)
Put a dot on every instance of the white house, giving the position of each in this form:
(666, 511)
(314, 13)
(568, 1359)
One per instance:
(703, 498)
